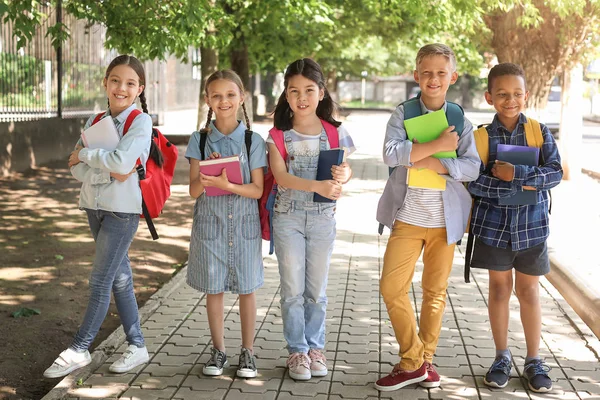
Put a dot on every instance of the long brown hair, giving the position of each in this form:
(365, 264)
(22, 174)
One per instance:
(138, 67)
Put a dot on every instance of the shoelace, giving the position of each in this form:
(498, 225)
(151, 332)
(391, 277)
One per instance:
(298, 359)
(539, 368)
(246, 359)
(217, 358)
(501, 364)
(317, 356)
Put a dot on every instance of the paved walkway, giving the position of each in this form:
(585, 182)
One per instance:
(360, 342)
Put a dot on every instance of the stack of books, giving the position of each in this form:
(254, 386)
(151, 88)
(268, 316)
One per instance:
(425, 128)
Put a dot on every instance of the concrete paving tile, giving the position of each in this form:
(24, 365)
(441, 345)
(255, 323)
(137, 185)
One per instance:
(109, 379)
(305, 388)
(164, 359)
(201, 382)
(189, 394)
(147, 381)
(235, 394)
(353, 391)
(289, 396)
(141, 394)
(100, 392)
(156, 370)
(360, 379)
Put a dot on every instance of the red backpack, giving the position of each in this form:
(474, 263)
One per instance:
(155, 181)
(267, 200)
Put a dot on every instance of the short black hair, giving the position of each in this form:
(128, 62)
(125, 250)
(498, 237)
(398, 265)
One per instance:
(504, 69)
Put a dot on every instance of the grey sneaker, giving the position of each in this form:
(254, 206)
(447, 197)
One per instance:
(214, 366)
(247, 364)
(536, 373)
(498, 374)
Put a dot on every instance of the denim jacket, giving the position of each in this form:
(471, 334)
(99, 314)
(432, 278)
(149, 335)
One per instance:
(98, 190)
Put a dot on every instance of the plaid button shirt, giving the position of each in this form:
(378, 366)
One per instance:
(521, 227)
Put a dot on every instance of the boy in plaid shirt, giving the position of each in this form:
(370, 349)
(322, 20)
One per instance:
(513, 237)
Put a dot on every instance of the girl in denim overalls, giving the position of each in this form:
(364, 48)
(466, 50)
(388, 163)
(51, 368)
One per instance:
(225, 246)
(303, 230)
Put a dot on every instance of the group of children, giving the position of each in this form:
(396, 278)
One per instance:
(225, 245)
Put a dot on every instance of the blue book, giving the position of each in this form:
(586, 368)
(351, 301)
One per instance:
(327, 159)
(519, 155)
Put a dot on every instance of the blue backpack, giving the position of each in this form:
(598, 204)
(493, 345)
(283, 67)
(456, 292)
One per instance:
(454, 113)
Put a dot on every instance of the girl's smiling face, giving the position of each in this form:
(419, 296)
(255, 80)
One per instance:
(303, 95)
(122, 87)
(224, 98)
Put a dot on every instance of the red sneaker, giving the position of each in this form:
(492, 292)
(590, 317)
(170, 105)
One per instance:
(433, 378)
(399, 378)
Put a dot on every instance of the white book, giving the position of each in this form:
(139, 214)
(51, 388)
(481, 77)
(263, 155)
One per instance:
(102, 135)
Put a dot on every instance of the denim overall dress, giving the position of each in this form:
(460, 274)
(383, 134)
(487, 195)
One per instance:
(225, 244)
(304, 233)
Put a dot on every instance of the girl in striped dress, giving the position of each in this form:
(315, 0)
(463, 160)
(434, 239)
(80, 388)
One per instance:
(226, 244)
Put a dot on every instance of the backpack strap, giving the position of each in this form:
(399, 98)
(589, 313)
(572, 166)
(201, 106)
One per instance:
(412, 107)
(333, 135)
(97, 118)
(456, 116)
(248, 141)
(483, 145)
(533, 133)
(132, 115)
(203, 136)
(277, 135)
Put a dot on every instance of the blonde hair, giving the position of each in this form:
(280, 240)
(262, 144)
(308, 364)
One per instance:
(231, 76)
(436, 49)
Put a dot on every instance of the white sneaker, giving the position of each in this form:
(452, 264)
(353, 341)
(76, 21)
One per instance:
(131, 358)
(67, 362)
(299, 366)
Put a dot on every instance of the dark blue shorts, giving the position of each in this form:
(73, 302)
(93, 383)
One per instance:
(533, 261)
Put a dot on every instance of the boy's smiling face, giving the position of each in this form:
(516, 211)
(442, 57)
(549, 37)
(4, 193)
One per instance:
(435, 74)
(508, 96)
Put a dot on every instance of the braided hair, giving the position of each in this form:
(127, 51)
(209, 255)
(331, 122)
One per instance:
(231, 76)
(135, 64)
(309, 69)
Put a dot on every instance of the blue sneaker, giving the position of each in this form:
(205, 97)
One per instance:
(536, 373)
(498, 374)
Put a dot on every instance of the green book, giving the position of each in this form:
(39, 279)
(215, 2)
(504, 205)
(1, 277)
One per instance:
(428, 127)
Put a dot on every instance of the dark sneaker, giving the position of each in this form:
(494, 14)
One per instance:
(399, 378)
(214, 366)
(498, 374)
(536, 373)
(247, 364)
(433, 378)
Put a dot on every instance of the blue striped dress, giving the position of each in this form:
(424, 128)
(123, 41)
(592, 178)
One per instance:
(226, 243)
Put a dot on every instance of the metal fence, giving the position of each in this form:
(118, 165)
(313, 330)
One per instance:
(35, 77)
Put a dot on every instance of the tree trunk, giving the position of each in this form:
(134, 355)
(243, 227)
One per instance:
(542, 51)
(209, 63)
(240, 64)
(465, 89)
(331, 82)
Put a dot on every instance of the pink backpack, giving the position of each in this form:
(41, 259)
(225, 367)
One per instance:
(267, 200)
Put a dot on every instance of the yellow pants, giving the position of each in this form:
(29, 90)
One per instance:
(401, 255)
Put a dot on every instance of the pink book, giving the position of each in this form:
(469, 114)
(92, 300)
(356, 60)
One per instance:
(215, 167)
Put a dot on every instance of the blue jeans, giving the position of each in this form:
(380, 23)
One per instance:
(304, 234)
(113, 233)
